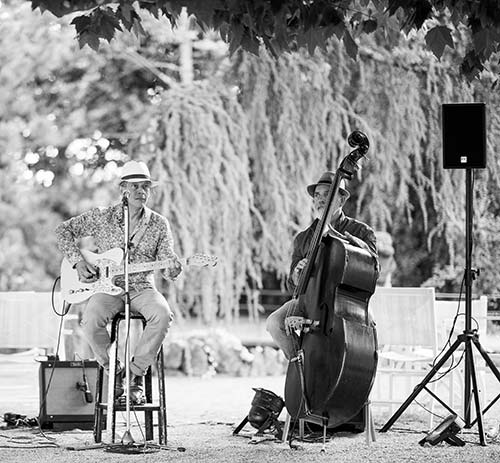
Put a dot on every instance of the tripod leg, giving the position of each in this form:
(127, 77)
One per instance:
(486, 358)
(479, 412)
(421, 386)
(494, 370)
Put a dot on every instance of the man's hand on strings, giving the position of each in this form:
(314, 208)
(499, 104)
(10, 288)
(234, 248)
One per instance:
(355, 241)
(297, 270)
(346, 236)
(329, 230)
(87, 273)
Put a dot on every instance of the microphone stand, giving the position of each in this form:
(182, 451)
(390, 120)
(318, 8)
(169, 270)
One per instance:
(128, 445)
(127, 438)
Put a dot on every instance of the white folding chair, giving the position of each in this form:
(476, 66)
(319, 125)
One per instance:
(408, 344)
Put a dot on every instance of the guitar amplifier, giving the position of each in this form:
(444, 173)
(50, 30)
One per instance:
(65, 400)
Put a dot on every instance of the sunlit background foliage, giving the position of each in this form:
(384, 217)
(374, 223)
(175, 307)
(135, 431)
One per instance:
(234, 141)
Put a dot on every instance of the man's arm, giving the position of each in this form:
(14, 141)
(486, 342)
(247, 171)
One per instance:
(165, 250)
(297, 256)
(69, 232)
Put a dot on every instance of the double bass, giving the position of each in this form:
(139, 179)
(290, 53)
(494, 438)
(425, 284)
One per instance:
(329, 379)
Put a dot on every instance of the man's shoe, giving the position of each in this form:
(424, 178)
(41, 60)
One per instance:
(119, 382)
(136, 390)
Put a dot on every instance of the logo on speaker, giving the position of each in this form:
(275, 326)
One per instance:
(463, 159)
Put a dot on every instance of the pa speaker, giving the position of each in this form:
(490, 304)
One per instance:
(464, 135)
(67, 394)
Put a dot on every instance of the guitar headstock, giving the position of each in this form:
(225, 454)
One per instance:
(202, 260)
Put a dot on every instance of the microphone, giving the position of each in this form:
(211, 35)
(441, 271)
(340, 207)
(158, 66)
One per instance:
(84, 387)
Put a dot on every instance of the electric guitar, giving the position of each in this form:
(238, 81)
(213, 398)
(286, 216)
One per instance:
(108, 267)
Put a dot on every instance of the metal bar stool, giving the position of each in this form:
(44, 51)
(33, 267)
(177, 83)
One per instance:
(111, 407)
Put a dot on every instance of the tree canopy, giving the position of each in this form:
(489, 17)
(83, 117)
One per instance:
(290, 24)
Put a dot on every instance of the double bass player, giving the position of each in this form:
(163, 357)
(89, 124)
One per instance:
(357, 233)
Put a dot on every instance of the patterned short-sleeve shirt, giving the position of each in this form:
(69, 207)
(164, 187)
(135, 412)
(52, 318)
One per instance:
(106, 226)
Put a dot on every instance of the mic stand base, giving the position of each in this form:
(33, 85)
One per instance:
(127, 438)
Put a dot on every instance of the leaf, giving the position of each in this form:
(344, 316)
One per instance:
(237, 31)
(125, 10)
(369, 26)
(339, 30)
(485, 41)
(437, 38)
(107, 24)
(350, 45)
(471, 65)
(202, 9)
(422, 11)
(137, 28)
(395, 4)
(312, 38)
(88, 38)
(250, 43)
(81, 23)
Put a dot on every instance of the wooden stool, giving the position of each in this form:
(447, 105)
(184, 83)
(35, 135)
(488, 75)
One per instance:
(112, 407)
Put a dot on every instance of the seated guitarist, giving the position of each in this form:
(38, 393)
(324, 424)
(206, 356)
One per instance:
(357, 233)
(150, 239)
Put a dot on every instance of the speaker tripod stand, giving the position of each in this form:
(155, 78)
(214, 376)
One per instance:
(468, 339)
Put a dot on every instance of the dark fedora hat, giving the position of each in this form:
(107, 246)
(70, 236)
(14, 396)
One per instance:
(327, 178)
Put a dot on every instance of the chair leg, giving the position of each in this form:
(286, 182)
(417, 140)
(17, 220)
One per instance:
(162, 413)
(111, 414)
(98, 410)
(148, 414)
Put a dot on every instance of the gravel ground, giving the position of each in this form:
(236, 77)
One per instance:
(202, 414)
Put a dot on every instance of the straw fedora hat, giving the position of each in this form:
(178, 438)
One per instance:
(136, 171)
(327, 178)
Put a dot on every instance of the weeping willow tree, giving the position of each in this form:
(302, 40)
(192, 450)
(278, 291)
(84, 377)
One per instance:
(301, 110)
(233, 157)
(197, 143)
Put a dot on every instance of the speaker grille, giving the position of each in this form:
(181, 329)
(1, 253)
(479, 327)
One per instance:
(60, 398)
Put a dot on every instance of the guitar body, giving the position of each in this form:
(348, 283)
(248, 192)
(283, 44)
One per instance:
(108, 267)
(74, 291)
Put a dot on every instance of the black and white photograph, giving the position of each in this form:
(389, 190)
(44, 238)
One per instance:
(250, 231)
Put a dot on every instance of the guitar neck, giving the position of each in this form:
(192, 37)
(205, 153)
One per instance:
(143, 267)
